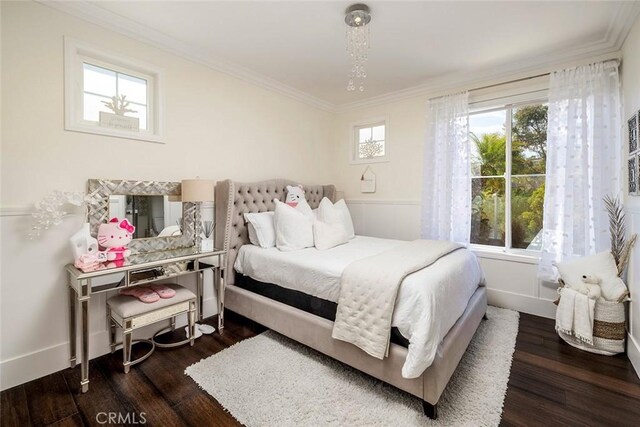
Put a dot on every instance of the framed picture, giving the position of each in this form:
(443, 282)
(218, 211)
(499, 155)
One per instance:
(633, 134)
(633, 175)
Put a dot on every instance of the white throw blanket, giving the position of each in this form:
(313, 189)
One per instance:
(368, 291)
(575, 315)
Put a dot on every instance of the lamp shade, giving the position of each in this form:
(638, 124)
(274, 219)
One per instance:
(197, 190)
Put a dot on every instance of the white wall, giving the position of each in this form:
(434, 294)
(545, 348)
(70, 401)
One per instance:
(216, 127)
(631, 93)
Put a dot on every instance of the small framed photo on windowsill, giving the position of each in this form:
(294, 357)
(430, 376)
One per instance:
(633, 134)
(633, 174)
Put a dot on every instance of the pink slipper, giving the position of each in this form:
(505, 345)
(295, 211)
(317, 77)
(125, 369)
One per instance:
(163, 291)
(144, 294)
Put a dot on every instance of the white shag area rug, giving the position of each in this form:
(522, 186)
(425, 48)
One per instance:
(270, 380)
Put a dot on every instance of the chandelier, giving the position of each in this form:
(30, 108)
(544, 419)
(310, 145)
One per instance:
(357, 19)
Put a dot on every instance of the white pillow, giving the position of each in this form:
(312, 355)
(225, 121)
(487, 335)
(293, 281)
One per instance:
(253, 237)
(336, 214)
(262, 231)
(294, 229)
(601, 265)
(327, 236)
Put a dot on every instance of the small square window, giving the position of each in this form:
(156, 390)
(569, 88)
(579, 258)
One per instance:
(110, 95)
(370, 142)
(101, 85)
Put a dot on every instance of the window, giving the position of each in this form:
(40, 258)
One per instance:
(102, 84)
(110, 95)
(370, 142)
(508, 161)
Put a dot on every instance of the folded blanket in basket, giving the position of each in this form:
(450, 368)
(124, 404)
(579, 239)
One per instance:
(575, 315)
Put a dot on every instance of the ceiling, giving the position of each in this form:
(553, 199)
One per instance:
(298, 47)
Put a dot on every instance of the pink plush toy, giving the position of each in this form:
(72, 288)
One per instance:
(113, 238)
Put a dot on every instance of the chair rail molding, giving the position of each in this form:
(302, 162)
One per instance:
(18, 210)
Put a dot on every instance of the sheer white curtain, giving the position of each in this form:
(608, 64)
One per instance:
(446, 191)
(583, 162)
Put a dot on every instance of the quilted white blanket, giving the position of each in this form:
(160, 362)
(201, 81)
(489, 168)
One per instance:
(369, 288)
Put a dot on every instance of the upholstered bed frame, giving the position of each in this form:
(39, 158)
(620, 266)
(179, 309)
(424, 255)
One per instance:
(232, 200)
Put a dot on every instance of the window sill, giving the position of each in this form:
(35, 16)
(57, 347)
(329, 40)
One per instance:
(522, 257)
(368, 161)
(97, 130)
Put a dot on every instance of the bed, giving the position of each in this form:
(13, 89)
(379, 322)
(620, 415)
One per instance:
(295, 294)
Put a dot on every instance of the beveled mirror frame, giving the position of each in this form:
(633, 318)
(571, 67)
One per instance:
(99, 190)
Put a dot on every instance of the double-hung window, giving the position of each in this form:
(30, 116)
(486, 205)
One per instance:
(508, 161)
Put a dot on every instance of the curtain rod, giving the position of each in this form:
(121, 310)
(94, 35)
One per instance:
(510, 81)
(617, 61)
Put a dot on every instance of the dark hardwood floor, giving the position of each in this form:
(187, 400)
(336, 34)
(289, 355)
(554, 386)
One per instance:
(551, 383)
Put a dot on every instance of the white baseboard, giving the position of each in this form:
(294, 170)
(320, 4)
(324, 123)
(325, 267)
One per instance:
(37, 364)
(40, 363)
(524, 303)
(633, 353)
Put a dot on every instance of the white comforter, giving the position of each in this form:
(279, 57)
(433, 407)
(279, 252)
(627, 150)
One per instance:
(429, 302)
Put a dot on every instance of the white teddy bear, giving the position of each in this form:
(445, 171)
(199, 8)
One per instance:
(590, 286)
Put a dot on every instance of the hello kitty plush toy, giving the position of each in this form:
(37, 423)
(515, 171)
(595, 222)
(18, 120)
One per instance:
(295, 195)
(113, 238)
(295, 199)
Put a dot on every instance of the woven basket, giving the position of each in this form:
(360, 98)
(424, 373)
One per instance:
(609, 331)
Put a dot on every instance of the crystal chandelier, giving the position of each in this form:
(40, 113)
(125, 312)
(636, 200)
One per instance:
(357, 20)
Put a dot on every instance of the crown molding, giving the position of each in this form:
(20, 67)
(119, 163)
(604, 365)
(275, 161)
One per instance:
(95, 14)
(606, 48)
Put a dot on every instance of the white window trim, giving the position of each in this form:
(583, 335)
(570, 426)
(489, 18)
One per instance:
(523, 256)
(507, 252)
(353, 141)
(75, 52)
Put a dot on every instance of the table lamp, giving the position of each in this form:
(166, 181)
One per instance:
(198, 191)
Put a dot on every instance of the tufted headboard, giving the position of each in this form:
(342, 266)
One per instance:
(234, 199)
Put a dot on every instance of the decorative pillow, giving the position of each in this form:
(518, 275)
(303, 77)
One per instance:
(262, 231)
(346, 218)
(294, 228)
(602, 266)
(295, 198)
(336, 214)
(327, 236)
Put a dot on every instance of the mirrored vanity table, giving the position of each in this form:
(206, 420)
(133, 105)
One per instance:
(156, 258)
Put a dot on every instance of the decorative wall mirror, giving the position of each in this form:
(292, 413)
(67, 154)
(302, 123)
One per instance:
(162, 221)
